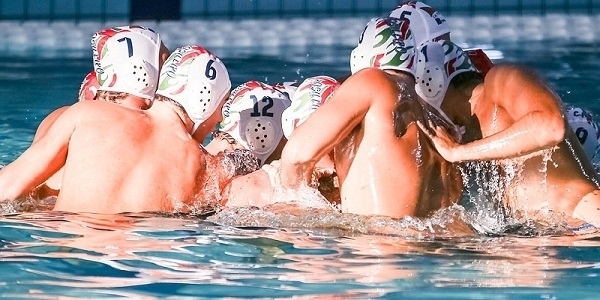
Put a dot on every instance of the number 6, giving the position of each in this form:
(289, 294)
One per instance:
(210, 72)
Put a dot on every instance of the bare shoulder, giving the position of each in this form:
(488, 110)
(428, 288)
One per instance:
(511, 75)
(369, 77)
(368, 83)
(99, 110)
(252, 189)
(48, 121)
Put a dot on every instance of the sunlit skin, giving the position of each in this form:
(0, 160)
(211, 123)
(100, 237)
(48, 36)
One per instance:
(382, 164)
(517, 116)
(52, 186)
(125, 169)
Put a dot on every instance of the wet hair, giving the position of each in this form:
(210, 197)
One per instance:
(243, 161)
(466, 80)
(224, 136)
(161, 98)
(112, 97)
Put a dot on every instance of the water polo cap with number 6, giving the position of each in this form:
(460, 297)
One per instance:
(196, 79)
(309, 96)
(252, 116)
(426, 23)
(386, 44)
(126, 59)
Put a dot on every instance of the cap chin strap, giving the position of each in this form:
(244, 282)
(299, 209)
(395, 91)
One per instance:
(195, 127)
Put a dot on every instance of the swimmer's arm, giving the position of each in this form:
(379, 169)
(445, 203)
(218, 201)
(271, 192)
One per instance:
(539, 123)
(325, 128)
(40, 161)
(47, 122)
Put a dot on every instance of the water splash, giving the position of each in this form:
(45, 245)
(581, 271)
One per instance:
(484, 195)
(418, 152)
(592, 177)
(446, 222)
(306, 195)
(494, 124)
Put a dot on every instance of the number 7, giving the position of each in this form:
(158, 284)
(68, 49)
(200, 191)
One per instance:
(129, 45)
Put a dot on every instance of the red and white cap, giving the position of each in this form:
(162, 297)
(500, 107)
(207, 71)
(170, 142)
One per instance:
(309, 96)
(252, 116)
(426, 23)
(126, 59)
(196, 79)
(89, 87)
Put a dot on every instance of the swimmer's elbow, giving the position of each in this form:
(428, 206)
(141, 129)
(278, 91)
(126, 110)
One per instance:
(294, 154)
(555, 131)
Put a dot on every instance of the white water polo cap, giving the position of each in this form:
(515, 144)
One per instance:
(89, 87)
(287, 87)
(252, 116)
(196, 79)
(385, 43)
(437, 64)
(126, 59)
(426, 23)
(585, 129)
(310, 95)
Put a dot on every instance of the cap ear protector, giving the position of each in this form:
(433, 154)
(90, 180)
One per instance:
(196, 79)
(89, 87)
(126, 59)
(252, 116)
(437, 64)
(385, 43)
(426, 23)
(310, 95)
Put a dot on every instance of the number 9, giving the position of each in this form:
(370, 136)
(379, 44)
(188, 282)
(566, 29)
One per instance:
(581, 134)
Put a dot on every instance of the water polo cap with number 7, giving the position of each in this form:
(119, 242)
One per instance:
(196, 79)
(126, 59)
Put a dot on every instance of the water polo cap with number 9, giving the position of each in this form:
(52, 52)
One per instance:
(126, 59)
(386, 44)
(585, 128)
(196, 79)
(252, 116)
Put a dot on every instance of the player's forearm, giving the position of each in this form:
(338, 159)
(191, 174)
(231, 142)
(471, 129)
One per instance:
(296, 167)
(12, 186)
(534, 132)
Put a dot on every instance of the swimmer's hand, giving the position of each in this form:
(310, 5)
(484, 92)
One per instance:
(446, 146)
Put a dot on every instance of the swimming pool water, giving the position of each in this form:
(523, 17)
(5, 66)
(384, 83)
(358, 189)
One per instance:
(255, 254)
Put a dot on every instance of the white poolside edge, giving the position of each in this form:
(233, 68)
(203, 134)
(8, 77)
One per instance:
(66, 35)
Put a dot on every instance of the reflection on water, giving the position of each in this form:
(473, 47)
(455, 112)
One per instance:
(143, 255)
(278, 252)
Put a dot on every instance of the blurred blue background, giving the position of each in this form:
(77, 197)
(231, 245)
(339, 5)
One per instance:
(118, 10)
